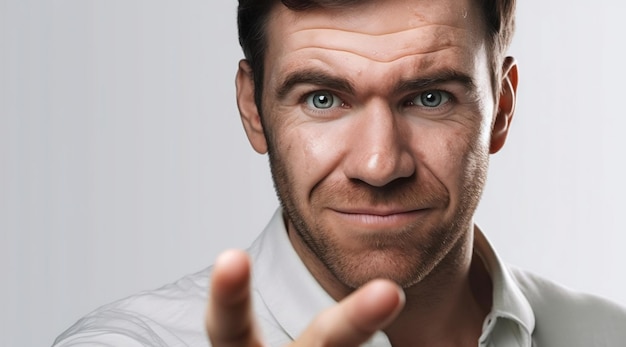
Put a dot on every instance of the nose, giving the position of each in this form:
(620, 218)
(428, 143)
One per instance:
(380, 150)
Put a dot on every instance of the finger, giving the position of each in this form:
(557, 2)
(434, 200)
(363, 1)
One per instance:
(355, 319)
(229, 321)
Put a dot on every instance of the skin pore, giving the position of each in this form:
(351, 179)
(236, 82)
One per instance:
(379, 121)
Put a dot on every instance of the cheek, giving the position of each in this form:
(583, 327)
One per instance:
(311, 152)
(471, 169)
(447, 156)
(458, 156)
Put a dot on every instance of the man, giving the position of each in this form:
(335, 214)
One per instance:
(379, 118)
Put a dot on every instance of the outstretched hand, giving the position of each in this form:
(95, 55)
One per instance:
(230, 321)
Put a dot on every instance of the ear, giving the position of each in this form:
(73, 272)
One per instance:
(506, 105)
(250, 115)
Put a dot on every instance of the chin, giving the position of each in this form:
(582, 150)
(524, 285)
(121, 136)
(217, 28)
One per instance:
(404, 269)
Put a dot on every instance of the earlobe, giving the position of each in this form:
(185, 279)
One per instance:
(506, 105)
(248, 110)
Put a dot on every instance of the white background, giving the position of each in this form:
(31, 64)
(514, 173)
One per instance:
(123, 165)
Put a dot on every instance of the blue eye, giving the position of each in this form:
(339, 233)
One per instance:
(323, 100)
(432, 98)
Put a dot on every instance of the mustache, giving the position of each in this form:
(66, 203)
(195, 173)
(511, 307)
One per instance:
(406, 191)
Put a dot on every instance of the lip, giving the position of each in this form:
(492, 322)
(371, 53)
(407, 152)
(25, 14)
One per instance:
(382, 212)
(383, 218)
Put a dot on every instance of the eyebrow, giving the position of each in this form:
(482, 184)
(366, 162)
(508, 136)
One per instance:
(314, 77)
(437, 78)
(325, 80)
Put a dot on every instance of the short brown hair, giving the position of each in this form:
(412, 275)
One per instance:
(252, 16)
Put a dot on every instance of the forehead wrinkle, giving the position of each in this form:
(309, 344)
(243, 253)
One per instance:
(380, 33)
(384, 47)
(418, 72)
(379, 58)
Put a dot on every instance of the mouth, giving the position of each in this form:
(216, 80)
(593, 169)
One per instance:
(376, 219)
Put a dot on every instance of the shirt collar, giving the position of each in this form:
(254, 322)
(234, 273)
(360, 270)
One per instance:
(509, 304)
(282, 281)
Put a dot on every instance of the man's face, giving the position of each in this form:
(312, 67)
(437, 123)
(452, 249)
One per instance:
(378, 123)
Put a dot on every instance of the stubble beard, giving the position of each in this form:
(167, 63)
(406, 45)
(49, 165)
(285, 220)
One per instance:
(406, 257)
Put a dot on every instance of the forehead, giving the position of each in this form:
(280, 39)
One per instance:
(375, 44)
(382, 31)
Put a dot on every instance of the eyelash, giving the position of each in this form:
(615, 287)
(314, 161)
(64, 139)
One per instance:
(305, 100)
(450, 99)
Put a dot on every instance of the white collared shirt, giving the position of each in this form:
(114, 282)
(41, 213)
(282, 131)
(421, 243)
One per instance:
(527, 311)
